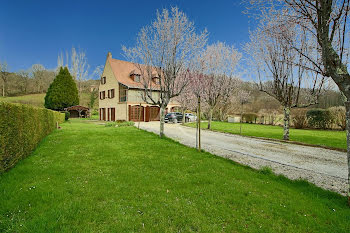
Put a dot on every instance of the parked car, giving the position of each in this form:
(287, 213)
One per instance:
(189, 117)
(173, 117)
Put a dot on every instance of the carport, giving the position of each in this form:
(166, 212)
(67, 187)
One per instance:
(78, 111)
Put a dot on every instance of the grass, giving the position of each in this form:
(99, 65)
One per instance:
(39, 99)
(32, 99)
(90, 178)
(328, 138)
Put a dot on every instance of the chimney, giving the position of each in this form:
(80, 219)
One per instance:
(109, 55)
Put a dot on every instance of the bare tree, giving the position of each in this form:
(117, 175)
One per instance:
(4, 74)
(163, 53)
(281, 72)
(79, 67)
(197, 85)
(326, 22)
(24, 76)
(219, 62)
(77, 64)
(37, 71)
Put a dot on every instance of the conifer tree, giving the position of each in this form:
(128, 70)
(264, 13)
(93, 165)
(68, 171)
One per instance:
(62, 92)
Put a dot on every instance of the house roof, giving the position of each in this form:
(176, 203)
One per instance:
(122, 71)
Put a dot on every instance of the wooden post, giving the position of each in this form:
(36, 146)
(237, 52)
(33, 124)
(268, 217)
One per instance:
(199, 123)
(140, 112)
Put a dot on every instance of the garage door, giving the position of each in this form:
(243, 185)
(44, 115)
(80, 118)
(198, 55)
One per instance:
(136, 113)
(154, 113)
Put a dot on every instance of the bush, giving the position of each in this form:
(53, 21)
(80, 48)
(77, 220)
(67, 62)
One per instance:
(22, 127)
(126, 123)
(110, 124)
(62, 92)
(119, 123)
(66, 115)
(299, 118)
(250, 117)
(319, 118)
(338, 116)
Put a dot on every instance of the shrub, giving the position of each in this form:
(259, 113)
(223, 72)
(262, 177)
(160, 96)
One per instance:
(66, 115)
(119, 123)
(126, 123)
(250, 117)
(319, 118)
(299, 118)
(110, 124)
(22, 127)
(338, 116)
(62, 92)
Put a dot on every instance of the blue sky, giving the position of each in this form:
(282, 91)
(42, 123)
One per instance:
(37, 31)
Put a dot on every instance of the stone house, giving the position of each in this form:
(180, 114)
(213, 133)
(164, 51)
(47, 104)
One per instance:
(120, 94)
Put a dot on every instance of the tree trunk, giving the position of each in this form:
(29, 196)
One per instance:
(286, 122)
(347, 107)
(3, 89)
(161, 125)
(210, 117)
(183, 116)
(241, 120)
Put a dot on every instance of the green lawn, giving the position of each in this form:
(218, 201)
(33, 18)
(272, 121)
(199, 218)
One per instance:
(329, 138)
(39, 99)
(90, 178)
(33, 99)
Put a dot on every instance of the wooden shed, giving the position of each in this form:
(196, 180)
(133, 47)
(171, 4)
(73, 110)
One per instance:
(78, 111)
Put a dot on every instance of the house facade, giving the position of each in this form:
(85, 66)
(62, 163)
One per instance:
(120, 94)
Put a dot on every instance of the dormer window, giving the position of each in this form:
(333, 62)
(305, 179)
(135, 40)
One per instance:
(135, 77)
(156, 80)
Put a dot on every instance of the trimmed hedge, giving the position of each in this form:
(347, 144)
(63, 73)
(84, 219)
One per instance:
(22, 127)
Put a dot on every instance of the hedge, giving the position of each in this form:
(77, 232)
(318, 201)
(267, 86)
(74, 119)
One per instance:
(22, 127)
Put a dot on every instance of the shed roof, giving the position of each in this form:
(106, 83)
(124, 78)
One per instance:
(77, 107)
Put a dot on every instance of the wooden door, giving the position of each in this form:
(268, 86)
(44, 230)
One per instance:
(136, 113)
(154, 113)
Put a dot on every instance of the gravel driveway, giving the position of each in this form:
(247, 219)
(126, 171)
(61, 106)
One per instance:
(323, 167)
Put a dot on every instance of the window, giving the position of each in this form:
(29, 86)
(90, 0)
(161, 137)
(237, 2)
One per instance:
(111, 94)
(123, 93)
(102, 95)
(103, 80)
(156, 80)
(135, 77)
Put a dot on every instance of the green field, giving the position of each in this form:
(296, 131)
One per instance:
(90, 178)
(39, 99)
(328, 138)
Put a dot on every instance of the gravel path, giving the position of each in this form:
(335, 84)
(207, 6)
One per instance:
(323, 167)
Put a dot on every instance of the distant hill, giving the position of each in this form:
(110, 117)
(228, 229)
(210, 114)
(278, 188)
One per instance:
(39, 99)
